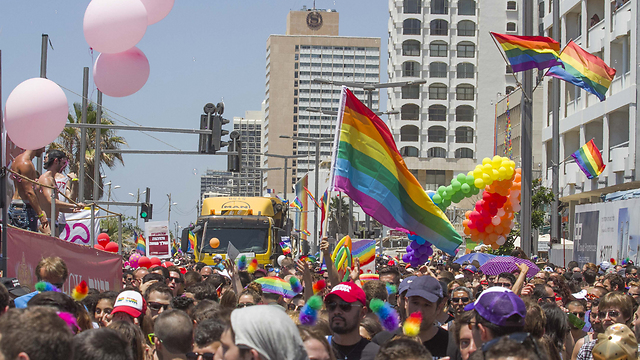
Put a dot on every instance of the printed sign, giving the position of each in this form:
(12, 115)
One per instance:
(157, 235)
(78, 227)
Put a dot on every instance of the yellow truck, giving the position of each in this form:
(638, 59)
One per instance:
(254, 226)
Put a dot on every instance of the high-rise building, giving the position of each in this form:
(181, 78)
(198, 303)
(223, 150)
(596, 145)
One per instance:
(447, 125)
(310, 49)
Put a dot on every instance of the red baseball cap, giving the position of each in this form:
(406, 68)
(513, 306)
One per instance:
(348, 292)
(130, 302)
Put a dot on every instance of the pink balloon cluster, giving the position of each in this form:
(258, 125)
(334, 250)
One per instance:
(114, 27)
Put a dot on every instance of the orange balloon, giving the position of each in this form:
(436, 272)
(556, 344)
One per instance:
(475, 238)
(482, 236)
(214, 242)
(499, 229)
(493, 237)
(467, 231)
(466, 215)
(488, 229)
(474, 232)
(495, 246)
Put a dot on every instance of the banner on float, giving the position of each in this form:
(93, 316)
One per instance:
(100, 269)
(606, 230)
(158, 241)
(77, 230)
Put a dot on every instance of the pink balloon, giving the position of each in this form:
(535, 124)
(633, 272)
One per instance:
(157, 9)
(113, 26)
(111, 247)
(121, 74)
(35, 113)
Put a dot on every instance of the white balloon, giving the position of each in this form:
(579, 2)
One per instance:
(495, 221)
(501, 240)
(501, 212)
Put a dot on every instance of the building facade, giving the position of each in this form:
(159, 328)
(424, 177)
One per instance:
(446, 125)
(311, 49)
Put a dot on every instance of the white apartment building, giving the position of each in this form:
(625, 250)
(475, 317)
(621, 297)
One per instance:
(446, 126)
(608, 29)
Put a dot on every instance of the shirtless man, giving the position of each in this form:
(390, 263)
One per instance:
(25, 209)
(67, 186)
(56, 163)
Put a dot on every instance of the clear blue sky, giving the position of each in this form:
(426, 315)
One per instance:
(201, 52)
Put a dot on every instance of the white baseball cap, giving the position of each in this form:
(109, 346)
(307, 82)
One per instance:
(130, 302)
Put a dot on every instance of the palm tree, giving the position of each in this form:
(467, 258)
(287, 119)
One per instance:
(69, 142)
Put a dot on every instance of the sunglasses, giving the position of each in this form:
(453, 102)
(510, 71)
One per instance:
(294, 307)
(151, 336)
(503, 284)
(243, 305)
(344, 306)
(611, 313)
(195, 355)
(462, 299)
(157, 306)
(176, 279)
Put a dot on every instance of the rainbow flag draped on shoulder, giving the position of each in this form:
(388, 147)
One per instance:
(529, 52)
(367, 166)
(584, 70)
(589, 160)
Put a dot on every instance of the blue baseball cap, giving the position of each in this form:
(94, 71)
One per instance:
(404, 285)
(427, 287)
(471, 268)
(500, 306)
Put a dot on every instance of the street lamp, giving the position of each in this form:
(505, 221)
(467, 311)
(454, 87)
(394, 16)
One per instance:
(286, 158)
(109, 193)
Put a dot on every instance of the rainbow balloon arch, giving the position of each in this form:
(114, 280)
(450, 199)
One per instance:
(493, 216)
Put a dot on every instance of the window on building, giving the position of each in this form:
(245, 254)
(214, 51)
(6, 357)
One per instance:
(438, 92)
(439, 6)
(411, 48)
(411, 69)
(438, 49)
(509, 90)
(465, 92)
(511, 27)
(438, 70)
(511, 5)
(466, 49)
(411, 27)
(464, 153)
(409, 133)
(437, 134)
(409, 151)
(410, 112)
(411, 91)
(465, 71)
(464, 134)
(437, 113)
(466, 7)
(464, 113)
(435, 178)
(439, 27)
(412, 6)
(466, 28)
(437, 152)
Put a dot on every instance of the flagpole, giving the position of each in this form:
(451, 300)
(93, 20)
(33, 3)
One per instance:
(204, 233)
(505, 60)
(568, 157)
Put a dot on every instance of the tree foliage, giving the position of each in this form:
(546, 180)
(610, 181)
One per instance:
(335, 217)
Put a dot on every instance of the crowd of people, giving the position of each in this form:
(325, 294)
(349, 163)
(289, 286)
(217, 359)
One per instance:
(440, 310)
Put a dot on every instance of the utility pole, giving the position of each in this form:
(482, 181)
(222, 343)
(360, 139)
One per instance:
(555, 135)
(83, 133)
(527, 139)
(43, 74)
(169, 212)
(97, 157)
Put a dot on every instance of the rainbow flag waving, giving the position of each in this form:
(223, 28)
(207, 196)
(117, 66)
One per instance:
(589, 159)
(286, 249)
(584, 70)
(529, 52)
(311, 196)
(367, 166)
(141, 246)
(297, 204)
(192, 240)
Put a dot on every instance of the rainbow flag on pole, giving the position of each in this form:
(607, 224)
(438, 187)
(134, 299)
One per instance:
(297, 204)
(589, 160)
(584, 70)
(324, 201)
(529, 52)
(367, 166)
(311, 196)
(141, 245)
(286, 249)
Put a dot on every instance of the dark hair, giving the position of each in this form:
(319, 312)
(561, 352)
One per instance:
(308, 333)
(519, 253)
(506, 347)
(508, 276)
(199, 266)
(446, 276)
(372, 326)
(203, 290)
(4, 298)
(205, 309)
(153, 276)
(159, 287)
(215, 280)
(617, 281)
(589, 276)
(52, 155)
(191, 278)
(403, 347)
(133, 334)
(375, 289)
(498, 330)
(251, 292)
(101, 344)
(229, 299)
(175, 329)
(557, 324)
(208, 331)
(165, 271)
(461, 320)
(391, 270)
(38, 331)
(182, 303)
(535, 321)
(455, 267)
(572, 264)
(539, 292)
(245, 278)
(107, 295)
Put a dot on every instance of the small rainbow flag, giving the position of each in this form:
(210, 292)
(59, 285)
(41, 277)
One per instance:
(367, 166)
(364, 250)
(275, 285)
(369, 277)
(323, 208)
(589, 159)
(286, 250)
(192, 240)
(306, 232)
(141, 246)
(297, 204)
(529, 52)
(174, 248)
(311, 196)
(584, 70)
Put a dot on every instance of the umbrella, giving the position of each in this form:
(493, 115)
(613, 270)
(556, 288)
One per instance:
(480, 257)
(500, 264)
(275, 285)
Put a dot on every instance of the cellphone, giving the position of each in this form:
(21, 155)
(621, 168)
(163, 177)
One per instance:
(575, 321)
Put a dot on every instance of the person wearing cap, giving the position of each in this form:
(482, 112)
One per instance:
(617, 343)
(402, 290)
(130, 306)
(498, 312)
(424, 294)
(469, 271)
(346, 307)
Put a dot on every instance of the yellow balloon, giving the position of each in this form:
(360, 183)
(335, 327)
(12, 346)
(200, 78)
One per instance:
(479, 183)
(486, 161)
(487, 168)
(497, 161)
(487, 179)
(503, 172)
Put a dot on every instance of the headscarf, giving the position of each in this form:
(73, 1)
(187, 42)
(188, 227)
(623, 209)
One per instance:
(268, 330)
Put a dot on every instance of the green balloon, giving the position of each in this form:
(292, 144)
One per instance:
(474, 190)
(446, 203)
(462, 178)
(450, 190)
(470, 180)
(447, 195)
(455, 184)
(457, 197)
(465, 188)
(441, 190)
(437, 198)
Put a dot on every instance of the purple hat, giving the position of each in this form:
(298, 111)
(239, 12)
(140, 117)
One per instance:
(498, 305)
(404, 285)
(471, 268)
(427, 287)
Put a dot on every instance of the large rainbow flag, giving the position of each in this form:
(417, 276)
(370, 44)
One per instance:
(367, 166)
(192, 240)
(584, 70)
(529, 52)
(589, 159)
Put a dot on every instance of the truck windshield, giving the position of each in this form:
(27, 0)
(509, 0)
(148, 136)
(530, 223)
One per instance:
(245, 240)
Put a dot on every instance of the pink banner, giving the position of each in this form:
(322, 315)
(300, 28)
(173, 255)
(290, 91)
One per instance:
(100, 269)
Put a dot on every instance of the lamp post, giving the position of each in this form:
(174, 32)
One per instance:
(109, 193)
(169, 212)
(137, 196)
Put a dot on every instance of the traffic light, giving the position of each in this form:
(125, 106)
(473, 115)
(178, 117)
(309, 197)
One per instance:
(146, 211)
(205, 139)
(234, 162)
(217, 123)
(213, 121)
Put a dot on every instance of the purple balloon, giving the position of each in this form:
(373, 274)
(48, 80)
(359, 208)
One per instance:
(406, 258)
(414, 245)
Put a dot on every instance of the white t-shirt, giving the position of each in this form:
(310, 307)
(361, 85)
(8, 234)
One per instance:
(61, 184)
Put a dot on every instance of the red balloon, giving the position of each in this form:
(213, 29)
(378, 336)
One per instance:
(103, 239)
(98, 246)
(155, 261)
(167, 264)
(144, 262)
(111, 247)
